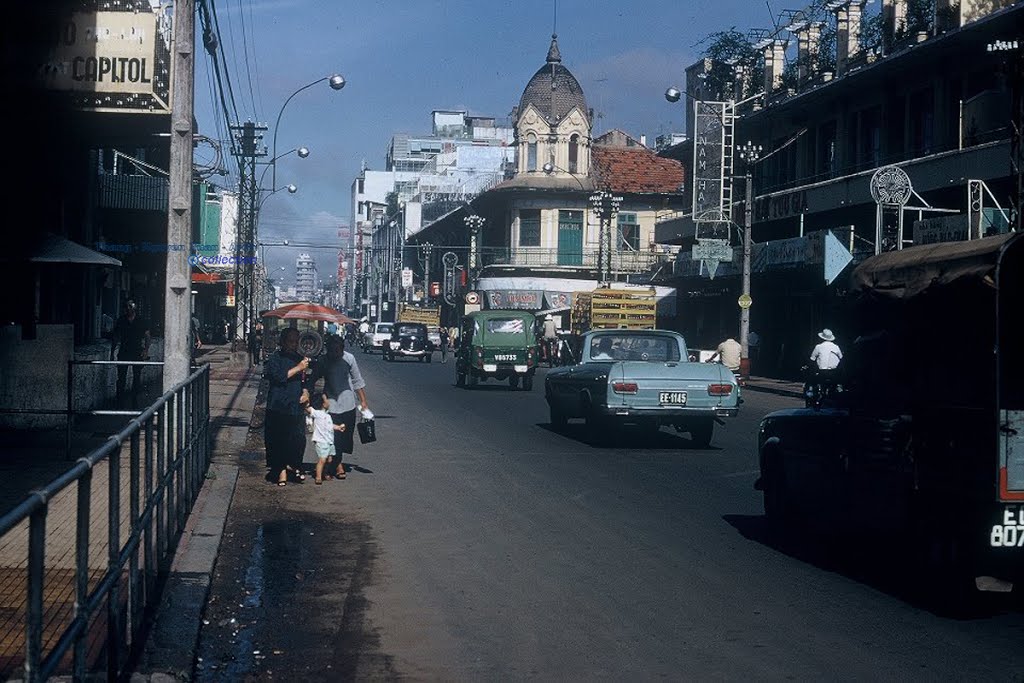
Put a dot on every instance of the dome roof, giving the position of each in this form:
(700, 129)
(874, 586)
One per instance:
(553, 90)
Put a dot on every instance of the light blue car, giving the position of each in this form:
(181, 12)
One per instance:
(645, 378)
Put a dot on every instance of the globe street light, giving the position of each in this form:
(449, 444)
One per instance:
(550, 167)
(336, 81)
(301, 152)
(474, 223)
(605, 205)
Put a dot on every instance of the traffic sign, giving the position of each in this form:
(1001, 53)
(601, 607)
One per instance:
(712, 250)
(472, 298)
(407, 277)
(837, 257)
(745, 301)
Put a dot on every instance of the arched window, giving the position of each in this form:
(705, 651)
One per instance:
(531, 152)
(574, 153)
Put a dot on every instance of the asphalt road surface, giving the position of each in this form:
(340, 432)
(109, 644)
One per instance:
(473, 542)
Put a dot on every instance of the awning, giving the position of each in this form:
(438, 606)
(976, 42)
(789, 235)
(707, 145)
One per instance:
(908, 272)
(56, 249)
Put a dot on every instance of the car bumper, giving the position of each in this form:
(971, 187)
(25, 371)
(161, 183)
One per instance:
(406, 352)
(669, 414)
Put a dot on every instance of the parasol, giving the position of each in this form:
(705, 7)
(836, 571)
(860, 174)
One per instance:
(309, 311)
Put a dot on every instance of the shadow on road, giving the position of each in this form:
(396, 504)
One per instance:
(632, 438)
(885, 565)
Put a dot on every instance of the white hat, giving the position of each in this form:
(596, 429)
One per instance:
(827, 335)
(548, 317)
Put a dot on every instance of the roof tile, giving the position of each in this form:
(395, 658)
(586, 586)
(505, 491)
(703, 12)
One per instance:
(635, 170)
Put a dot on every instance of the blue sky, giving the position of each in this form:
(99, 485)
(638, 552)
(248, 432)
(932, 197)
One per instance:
(403, 58)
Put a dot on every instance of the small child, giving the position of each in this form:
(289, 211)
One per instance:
(323, 434)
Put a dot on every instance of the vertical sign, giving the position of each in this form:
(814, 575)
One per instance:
(708, 158)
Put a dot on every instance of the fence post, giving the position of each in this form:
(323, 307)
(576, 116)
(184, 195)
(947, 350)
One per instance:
(82, 520)
(36, 571)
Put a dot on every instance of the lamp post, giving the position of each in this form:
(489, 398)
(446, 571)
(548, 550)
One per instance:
(336, 81)
(751, 154)
(475, 223)
(606, 206)
(427, 248)
(550, 167)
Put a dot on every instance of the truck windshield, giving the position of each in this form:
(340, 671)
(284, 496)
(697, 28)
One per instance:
(506, 326)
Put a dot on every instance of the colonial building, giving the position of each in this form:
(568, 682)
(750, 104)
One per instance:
(539, 238)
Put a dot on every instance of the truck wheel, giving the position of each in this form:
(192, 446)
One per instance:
(472, 380)
(778, 509)
(528, 383)
(557, 418)
(460, 377)
(701, 432)
(513, 382)
(428, 357)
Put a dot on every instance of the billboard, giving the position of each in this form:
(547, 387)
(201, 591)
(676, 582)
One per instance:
(709, 159)
(113, 61)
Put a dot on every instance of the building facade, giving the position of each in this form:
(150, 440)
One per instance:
(936, 105)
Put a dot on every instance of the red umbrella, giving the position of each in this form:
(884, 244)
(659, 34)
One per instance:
(309, 311)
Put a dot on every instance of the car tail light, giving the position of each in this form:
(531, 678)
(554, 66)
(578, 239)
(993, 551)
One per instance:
(624, 387)
(719, 389)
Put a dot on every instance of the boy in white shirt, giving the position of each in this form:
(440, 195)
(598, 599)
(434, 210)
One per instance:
(323, 434)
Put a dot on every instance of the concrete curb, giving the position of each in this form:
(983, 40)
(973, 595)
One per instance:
(779, 391)
(172, 642)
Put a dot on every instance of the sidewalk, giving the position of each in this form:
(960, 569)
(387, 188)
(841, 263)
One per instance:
(781, 387)
(174, 634)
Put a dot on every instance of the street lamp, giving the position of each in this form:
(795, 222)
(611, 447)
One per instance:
(605, 205)
(475, 223)
(550, 167)
(301, 152)
(751, 154)
(336, 81)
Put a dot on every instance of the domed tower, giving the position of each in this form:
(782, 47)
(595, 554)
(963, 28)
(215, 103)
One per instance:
(553, 121)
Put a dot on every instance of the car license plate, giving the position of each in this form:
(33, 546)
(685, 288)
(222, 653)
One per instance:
(672, 398)
(1009, 534)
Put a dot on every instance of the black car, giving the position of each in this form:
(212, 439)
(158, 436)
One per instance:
(408, 340)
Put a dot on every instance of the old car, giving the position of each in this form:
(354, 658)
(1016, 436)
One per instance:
(923, 450)
(408, 340)
(434, 335)
(643, 378)
(497, 345)
(376, 337)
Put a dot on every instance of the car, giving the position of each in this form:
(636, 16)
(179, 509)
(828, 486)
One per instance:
(374, 339)
(643, 378)
(496, 344)
(434, 335)
(408, 340)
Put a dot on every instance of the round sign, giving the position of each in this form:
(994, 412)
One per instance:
(472, 298)
(450, 259)
(745, 301)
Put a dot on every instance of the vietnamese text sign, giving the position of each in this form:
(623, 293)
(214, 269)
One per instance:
(708, 158)
(712, 250)
(941, 229)
(119, 57)
(525, 299)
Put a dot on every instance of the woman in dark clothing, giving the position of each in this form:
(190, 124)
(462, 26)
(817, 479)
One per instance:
(343, 384)
(285, 422)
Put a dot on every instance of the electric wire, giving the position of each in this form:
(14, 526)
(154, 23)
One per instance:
(246, 60)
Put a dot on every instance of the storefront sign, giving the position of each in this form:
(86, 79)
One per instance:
(941, 229)
(708, 158)
(119, 59)
(523, 299)
(780, 206)
(558, 299)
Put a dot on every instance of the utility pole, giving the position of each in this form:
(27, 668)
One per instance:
(178, 294)
(248, 138)
(751, 154)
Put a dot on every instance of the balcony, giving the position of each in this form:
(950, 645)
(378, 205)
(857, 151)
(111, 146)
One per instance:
(121, 191)
(623, 261)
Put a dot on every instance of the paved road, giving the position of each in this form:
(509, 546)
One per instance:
(472, 542)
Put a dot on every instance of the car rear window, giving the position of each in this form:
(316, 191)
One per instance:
(649, 348)
(410, 330)
(384, 327)
(506, 326)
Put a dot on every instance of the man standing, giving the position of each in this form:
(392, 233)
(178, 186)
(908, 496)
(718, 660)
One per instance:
(131, 336)
(445, 341)
(550, 339)
(827, 354)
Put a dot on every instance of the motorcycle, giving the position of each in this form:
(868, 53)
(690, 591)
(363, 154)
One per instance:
(820, 386)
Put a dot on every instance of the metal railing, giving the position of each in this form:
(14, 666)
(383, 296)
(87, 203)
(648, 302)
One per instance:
(82, 612)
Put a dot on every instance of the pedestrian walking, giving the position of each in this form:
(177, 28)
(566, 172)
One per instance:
(283, 426)
(323, 432)
(131, 337)
(256, 344)
(343, 383)
(445, 342)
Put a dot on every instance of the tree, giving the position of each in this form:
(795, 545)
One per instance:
(727, 50)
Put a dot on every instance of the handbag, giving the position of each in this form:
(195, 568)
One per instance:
(367, 431)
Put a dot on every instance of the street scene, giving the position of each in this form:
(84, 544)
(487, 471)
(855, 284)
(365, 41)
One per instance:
(551, 341)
